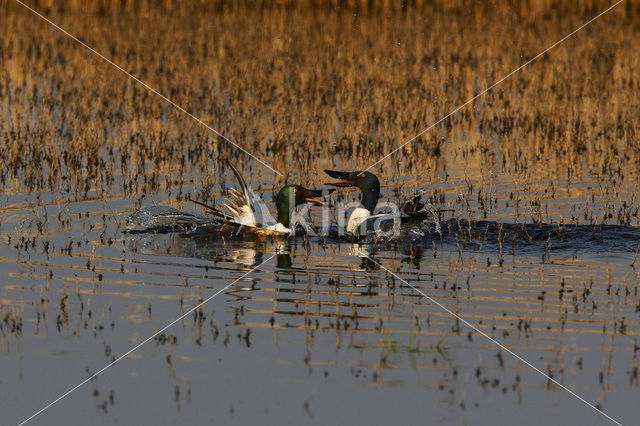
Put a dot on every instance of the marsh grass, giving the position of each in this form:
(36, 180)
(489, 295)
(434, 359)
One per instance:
(311, 85)
(307, 86)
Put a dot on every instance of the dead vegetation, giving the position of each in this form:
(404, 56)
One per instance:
(311, 85)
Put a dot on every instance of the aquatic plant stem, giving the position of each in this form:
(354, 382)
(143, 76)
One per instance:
(494, 84)
(112, 363)
(482, 333)
(151, 89)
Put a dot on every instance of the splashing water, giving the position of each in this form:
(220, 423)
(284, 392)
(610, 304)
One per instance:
(163, 219)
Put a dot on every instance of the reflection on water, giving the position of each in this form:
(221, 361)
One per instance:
(320, 315)
(540, 252)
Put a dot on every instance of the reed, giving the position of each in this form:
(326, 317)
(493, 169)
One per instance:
(309, 85)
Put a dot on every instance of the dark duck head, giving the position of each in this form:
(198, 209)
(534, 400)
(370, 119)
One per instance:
(292, 196)
(367, 182)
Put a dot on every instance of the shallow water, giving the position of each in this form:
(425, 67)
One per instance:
(318, 332)
(540, 251)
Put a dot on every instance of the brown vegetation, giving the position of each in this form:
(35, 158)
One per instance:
(311, 85)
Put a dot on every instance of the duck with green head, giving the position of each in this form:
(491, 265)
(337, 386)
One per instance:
(241, 208)
(369, 185)
(362, 218)
(290, 197)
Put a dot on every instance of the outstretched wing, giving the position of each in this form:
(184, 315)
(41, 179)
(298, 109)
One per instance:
(239, 202)
(213, 210)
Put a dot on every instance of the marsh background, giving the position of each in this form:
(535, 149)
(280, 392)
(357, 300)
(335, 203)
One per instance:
(541, 252)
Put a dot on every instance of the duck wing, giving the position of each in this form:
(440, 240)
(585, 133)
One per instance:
(238, 203)
(213, 210)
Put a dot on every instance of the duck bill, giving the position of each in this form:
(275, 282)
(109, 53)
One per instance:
(314, 201)
(313, 196)
(342, 183)
(344, 177)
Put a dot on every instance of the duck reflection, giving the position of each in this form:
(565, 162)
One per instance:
(248, 257)
(248, 254)
(334, 291)
(366, 253)
(413, 254)
(284, 261)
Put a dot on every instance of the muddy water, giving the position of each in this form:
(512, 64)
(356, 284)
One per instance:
(318, 332)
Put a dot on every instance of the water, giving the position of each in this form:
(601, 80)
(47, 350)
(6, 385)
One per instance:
(537, 245)
(318, 332)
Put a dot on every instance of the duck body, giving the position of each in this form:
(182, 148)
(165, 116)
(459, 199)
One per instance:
(241, 207)
(362, 220)
(358, 217)
(236, 217)
(361, 224)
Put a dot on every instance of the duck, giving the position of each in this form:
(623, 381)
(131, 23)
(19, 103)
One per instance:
(363, 220)
(240, 216)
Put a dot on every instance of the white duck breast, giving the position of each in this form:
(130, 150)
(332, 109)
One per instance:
(361, 222)
(358, 216)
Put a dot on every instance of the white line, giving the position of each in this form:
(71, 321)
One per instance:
(143, 342)
(482, 333)
(492, 86)
(175, 105)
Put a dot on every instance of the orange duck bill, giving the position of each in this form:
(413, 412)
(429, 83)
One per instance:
(305, 195)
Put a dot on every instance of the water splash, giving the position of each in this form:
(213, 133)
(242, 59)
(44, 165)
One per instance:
(163, 219)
